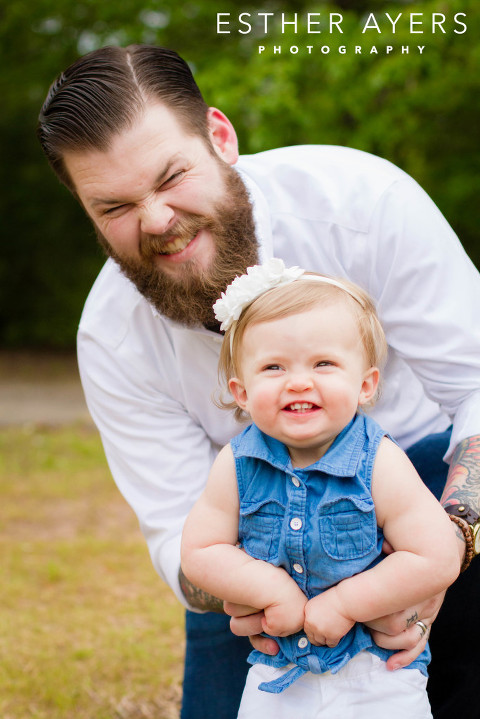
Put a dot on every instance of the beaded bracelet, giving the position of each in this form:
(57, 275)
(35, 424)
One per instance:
(465, 529)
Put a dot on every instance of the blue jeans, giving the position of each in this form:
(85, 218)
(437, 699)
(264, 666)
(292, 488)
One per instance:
(455, 636)
(216, 667)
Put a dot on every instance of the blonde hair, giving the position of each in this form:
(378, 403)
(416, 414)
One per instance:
(292, 298)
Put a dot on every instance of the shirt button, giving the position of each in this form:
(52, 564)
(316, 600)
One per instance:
(296, 523)
(302, 643)
(296, 481)
(298, 568)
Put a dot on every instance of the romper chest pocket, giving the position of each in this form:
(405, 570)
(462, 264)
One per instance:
(348, 528)
(260, 526)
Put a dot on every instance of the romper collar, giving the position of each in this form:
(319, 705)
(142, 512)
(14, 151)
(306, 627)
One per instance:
(341, 459)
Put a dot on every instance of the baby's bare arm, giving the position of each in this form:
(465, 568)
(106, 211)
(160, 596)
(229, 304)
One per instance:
(418, 568)
(212, 562)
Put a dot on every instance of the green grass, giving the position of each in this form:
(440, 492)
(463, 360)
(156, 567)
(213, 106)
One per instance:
(87, 629)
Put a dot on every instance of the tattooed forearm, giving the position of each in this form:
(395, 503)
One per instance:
(197, 597)
(463, 483)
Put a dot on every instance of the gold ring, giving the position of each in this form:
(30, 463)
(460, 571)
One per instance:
(423, 628)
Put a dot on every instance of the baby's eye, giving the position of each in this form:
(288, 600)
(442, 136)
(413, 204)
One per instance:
(273, 367)
(324, 363)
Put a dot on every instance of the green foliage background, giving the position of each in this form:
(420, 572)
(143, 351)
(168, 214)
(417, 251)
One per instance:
(420, 111)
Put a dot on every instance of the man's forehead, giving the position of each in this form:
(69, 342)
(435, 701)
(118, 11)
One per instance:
(147, 150)
(153, 123)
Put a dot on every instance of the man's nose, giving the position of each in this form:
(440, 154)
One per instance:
(156, 217)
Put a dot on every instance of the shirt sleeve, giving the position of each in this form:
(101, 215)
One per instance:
(428, 295)
(158, 455)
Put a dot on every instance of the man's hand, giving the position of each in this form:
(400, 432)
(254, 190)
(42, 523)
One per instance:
(401, 632)
(248, 622)
(325, 621)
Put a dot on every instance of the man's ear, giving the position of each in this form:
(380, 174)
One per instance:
(239, 393)
(369, 386)
(222, 135)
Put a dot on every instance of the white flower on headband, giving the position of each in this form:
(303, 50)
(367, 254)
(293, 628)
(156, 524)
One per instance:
(246, 288)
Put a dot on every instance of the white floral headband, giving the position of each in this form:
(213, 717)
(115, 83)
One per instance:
(258, 280)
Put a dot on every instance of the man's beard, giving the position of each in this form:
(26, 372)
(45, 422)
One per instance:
(188, 297)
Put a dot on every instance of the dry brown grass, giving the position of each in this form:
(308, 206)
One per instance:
(87, 629)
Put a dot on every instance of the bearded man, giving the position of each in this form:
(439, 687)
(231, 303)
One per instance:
(180, 215)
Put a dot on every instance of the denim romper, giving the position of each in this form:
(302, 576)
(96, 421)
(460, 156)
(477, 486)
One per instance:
(319, 524)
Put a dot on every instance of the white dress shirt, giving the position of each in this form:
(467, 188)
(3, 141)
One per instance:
(149, 381)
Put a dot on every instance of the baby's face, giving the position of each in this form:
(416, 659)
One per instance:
(303, 378)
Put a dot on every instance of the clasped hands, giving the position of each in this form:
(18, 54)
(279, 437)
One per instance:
(325, 621)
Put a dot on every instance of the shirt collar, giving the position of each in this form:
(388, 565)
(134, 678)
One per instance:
(341, 459)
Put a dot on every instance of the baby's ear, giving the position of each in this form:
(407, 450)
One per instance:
(369, 386)
(239, 393)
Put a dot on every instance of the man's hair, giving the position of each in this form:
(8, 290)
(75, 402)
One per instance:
(105, 91)
(293, 298)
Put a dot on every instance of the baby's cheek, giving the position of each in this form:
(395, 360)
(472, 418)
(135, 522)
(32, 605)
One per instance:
(262, 405)
(266, 400)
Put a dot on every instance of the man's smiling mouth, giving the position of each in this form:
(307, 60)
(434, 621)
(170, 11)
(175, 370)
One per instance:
(176, 245)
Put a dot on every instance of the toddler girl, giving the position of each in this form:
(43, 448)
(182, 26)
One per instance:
(296, 508)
